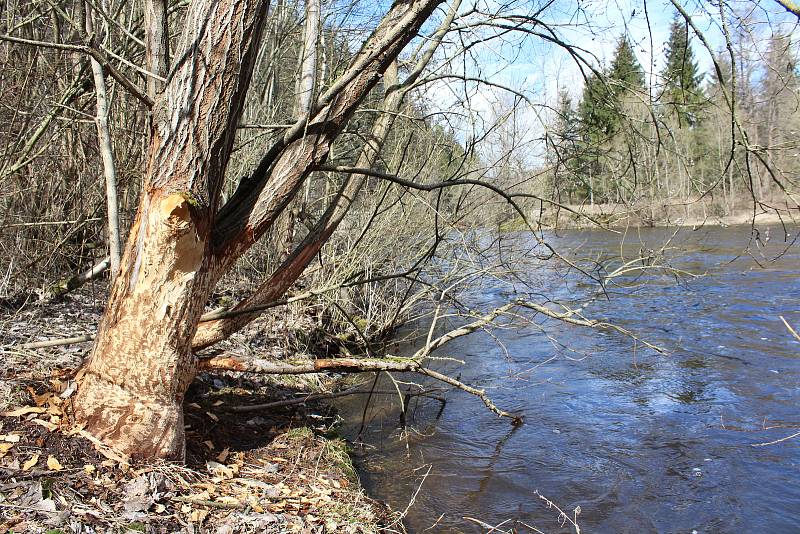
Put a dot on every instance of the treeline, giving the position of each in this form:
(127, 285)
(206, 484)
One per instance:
(674, 142)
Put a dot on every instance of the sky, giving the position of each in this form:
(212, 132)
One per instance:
(539, 70)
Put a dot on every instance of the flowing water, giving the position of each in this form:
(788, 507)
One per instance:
(641, 442)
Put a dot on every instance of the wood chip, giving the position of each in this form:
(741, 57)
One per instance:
(25, 410)
(54, 464)
(31, 462)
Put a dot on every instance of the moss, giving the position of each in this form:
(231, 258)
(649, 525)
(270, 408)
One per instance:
(336, 453)
(361, 323)
(302, 433)
(513, 225)
(191, 199)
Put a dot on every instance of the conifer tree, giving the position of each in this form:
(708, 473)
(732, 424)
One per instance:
(625, 73)
(682, 95)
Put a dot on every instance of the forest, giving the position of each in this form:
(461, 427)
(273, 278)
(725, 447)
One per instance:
(222, 222)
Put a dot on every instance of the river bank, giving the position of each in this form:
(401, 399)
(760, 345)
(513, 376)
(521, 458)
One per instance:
(692, 215)
(282, 469)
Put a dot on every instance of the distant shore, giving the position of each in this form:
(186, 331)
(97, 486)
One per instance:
(622, 216)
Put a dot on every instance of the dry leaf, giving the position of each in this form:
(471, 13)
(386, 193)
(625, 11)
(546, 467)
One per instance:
(210, 444)
(48, 425)
(218, 403)
(23, 411)
(11, 438)
(160, 508)
(198, 516)
(42, 399)
(4, 448)
(54, 464)
(221, 457)
(30, 463)
(212, 417)
(89, 468)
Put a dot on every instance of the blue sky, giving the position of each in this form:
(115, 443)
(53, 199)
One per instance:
(540, 70)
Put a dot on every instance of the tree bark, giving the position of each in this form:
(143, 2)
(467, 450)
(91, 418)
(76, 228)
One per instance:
(107, 153)
(142, 362)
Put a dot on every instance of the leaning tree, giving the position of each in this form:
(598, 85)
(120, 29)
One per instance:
(184, 237)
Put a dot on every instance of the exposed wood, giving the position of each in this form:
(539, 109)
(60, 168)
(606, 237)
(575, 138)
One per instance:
(142, 362)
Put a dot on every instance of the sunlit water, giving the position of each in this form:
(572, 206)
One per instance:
(640, 441)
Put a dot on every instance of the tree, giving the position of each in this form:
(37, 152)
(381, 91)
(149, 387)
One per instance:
(564, 144)
(608, 97)
(779, 108)
(626, 73)
(682, 95)
(184, 238)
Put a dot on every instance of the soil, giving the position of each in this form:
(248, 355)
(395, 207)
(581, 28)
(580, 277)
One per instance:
(284, 470)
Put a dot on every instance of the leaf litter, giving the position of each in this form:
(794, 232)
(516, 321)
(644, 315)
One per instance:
(271, 472)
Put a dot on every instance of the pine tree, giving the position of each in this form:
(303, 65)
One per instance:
(564, 150)
(625, 73)
(682, 95)
(604, 93)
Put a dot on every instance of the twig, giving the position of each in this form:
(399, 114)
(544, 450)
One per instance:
(792, 330)
(204, 502)
(562, 517)
(57, 342)
(93, 52)
(776, 441)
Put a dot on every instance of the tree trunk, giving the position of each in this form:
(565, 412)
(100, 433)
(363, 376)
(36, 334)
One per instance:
(107, 153)
(142, 362)
(181, 242)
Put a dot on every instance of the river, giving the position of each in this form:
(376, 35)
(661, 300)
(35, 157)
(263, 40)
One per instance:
(641, 442)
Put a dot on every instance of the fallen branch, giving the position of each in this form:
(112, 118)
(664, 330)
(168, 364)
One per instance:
(229, 362)
(573, 317)
(789, 327)
(58, 342)
(775, 442)
(71, 284)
